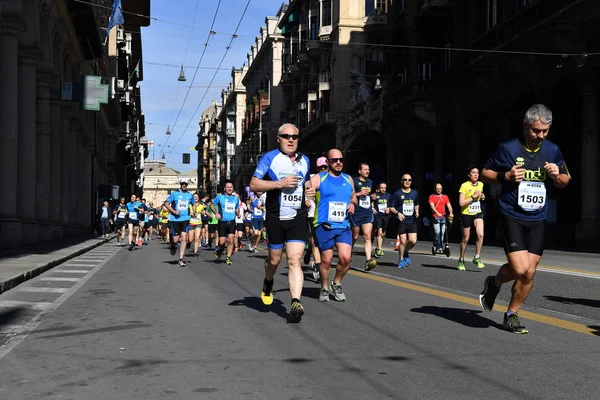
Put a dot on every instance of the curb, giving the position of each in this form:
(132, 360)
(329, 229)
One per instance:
(17, 280)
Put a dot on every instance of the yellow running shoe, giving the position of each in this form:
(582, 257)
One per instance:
(478, 263)
(461, 265)
(267, 293)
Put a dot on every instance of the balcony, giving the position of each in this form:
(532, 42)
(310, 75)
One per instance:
(313, 48)
(375, 22)
(230, 133)
(414, 90)
(230, 152)
(324, 80)
(325, 33)
(321, 120)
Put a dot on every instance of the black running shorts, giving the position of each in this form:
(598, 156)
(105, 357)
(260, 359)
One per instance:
(522, 235)
(404, 228)
(381, 222)
(177, 227)
(226, 228)
(280, 232)
(466, 221)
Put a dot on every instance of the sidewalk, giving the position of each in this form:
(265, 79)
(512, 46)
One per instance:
(20, 265)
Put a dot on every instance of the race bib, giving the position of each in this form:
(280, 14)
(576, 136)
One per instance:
(150, 217)
(408, 209)
(292, 198)
(475, 207)
(133, 215)
(257, 212)
(381, 207)
(182, 205)
(532, 195)
(337, 211)
(195, 220)
(229, 207)
(121, 215)
(364, 202)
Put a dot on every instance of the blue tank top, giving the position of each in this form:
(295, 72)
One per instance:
(332, 199)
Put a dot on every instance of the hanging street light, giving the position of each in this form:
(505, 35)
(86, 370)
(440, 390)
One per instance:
(181, 75)
(168, 132)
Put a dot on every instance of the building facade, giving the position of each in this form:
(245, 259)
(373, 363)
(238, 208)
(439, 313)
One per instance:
(160, 180)
(55, 155)
(212, 150)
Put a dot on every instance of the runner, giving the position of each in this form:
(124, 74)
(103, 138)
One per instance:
(164, 223)
(213, 228)
(195, 227)
(121, 221)
(178, 204)
(362, 219)
(381, 209)
(152, 221)
(286, 173)
(226, 211)
(405, 203)
(258, 221)
(248, 230)
(239, 224)
(204, 237)
(524, 167)
(312, 248)
(143, 231)
(335, 199)
(133, 222)
(470, 198)
(438, 203)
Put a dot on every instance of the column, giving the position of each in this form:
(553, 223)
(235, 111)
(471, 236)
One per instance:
(74, 190)
(10, 226)
(55, 163)
(26, 162)
(83, 181)
(587, 229)
(43, 153)
(65, 176)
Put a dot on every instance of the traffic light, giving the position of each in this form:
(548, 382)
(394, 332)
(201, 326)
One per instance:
(186, 158)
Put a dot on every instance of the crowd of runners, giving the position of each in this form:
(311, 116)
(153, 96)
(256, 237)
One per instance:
(308, 217)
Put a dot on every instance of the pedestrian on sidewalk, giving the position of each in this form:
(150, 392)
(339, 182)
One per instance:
(105, 213)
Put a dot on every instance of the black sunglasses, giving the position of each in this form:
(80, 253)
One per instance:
(288, 137)
(406, 180)
(334, 160)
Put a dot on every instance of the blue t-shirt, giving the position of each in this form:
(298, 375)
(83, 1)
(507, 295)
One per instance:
(364, 201)
(332, 199)
(256, 212)
(132, 210)
(382, 201)
(289, 203)
(226, 206)
(405, 204)
(526, 200)
(180, 201)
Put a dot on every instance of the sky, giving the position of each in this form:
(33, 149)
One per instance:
(165, 42)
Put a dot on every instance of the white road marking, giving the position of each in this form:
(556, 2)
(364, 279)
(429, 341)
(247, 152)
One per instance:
(79, 265)
(35, 305)
(73, 271)
(89, 260)
(54, 279)
(41, 289)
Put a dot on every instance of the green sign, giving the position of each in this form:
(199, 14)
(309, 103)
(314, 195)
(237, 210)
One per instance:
(94, 93)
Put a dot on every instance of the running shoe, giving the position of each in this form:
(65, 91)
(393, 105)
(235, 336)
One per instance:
(407, 259)
(374, 254)
(228, 261)
(315, 272)
(188, 244)
(173, 249)
(218, 254)
(370, 265)
(478, 263)
(296, 311)
(512, 324)
(401, 264)
(323, 295)
(267, 293)
(181, 263)
(461, 265)
(379, 252)
(336, 291)
(487, 298)
(306, 258)
(255, 250)
(195, 255)
(131, 246)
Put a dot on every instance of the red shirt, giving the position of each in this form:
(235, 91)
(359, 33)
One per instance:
(440, 203)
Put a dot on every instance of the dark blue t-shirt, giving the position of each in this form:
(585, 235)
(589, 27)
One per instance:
(364, 202)
(381, 202)
(405, 204)
(526, 200)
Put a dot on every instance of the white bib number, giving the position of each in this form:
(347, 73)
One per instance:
(381, 207)
(408, 209)
(364, 202)
(337, 211)
(257, 212)
(475, 207)
(292, 198)
(133, 215)
(229, 207)
(182, 205)
(532, 195)
(195, 220)
(121, 215)
(150, 217)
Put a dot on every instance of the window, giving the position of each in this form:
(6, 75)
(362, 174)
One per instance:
(425, 71)
(369, 7)
(326, 13)
(375, 7)
(374, 62)
(314, 27)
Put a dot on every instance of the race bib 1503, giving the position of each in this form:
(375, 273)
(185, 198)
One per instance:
(532, 195)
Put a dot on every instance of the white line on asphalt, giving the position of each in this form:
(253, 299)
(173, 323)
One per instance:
(36, 305)
(53, 279)
(73, 271)
(89, 260)
(42, 289)
(80, 265)
(572, 273)
(33, 324)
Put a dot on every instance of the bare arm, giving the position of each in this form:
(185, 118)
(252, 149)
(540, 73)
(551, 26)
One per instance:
(450, 209)
(261, 185)
(171, 210)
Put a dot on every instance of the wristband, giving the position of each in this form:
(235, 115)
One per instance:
(501, 176)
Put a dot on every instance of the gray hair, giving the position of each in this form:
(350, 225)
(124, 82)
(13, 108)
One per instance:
(282, 127)
(538, 112)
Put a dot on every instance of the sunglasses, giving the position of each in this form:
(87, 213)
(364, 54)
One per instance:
(288, 137)
(335, 160)
(323, 167)
(406, 180)
(538, 131)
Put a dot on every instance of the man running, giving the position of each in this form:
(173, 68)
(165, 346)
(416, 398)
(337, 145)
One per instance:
(470, 198)
(151, 220)
(405, 203)
(178, 203)
(438, 203)
(227, 208)
(283, 174)
(239, 224)
(312, 248)
(524, 167)
(133, 221)
(258, 221)
(362, 219)
(335, 199)
(121, 221)
(381, 210)
(195, 226)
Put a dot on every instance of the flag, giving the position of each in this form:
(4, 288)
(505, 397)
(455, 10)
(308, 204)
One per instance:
(136, 71)
(116, 16)
(151, 143)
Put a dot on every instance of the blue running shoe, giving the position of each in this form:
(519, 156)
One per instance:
(407, 259)
(401, 264)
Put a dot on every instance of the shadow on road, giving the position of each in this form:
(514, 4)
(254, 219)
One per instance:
(470, 318)
(596, 329)
(6, 317)
(572, 300)
(441, 266)
(263, 257)
(95, 331)
(256, 304)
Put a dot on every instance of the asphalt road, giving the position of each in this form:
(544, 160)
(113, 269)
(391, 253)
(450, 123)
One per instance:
(114, 324)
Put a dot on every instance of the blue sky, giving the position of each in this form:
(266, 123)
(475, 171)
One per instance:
(165, 43)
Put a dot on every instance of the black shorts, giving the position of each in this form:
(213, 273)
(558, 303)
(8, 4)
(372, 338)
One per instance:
(280, 232)
(404, 228)
(213, 228)
(120, 224)
(239, 226)
(381, 222)
(311, 222)
(226, 228)
(248, 224)
(133, 222)
(177, 227)
(522, 235)
(466, 221)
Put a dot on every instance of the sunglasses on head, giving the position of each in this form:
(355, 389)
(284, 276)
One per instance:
(537, 131)
(335, 160)
(287, 136)
(406, 180)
